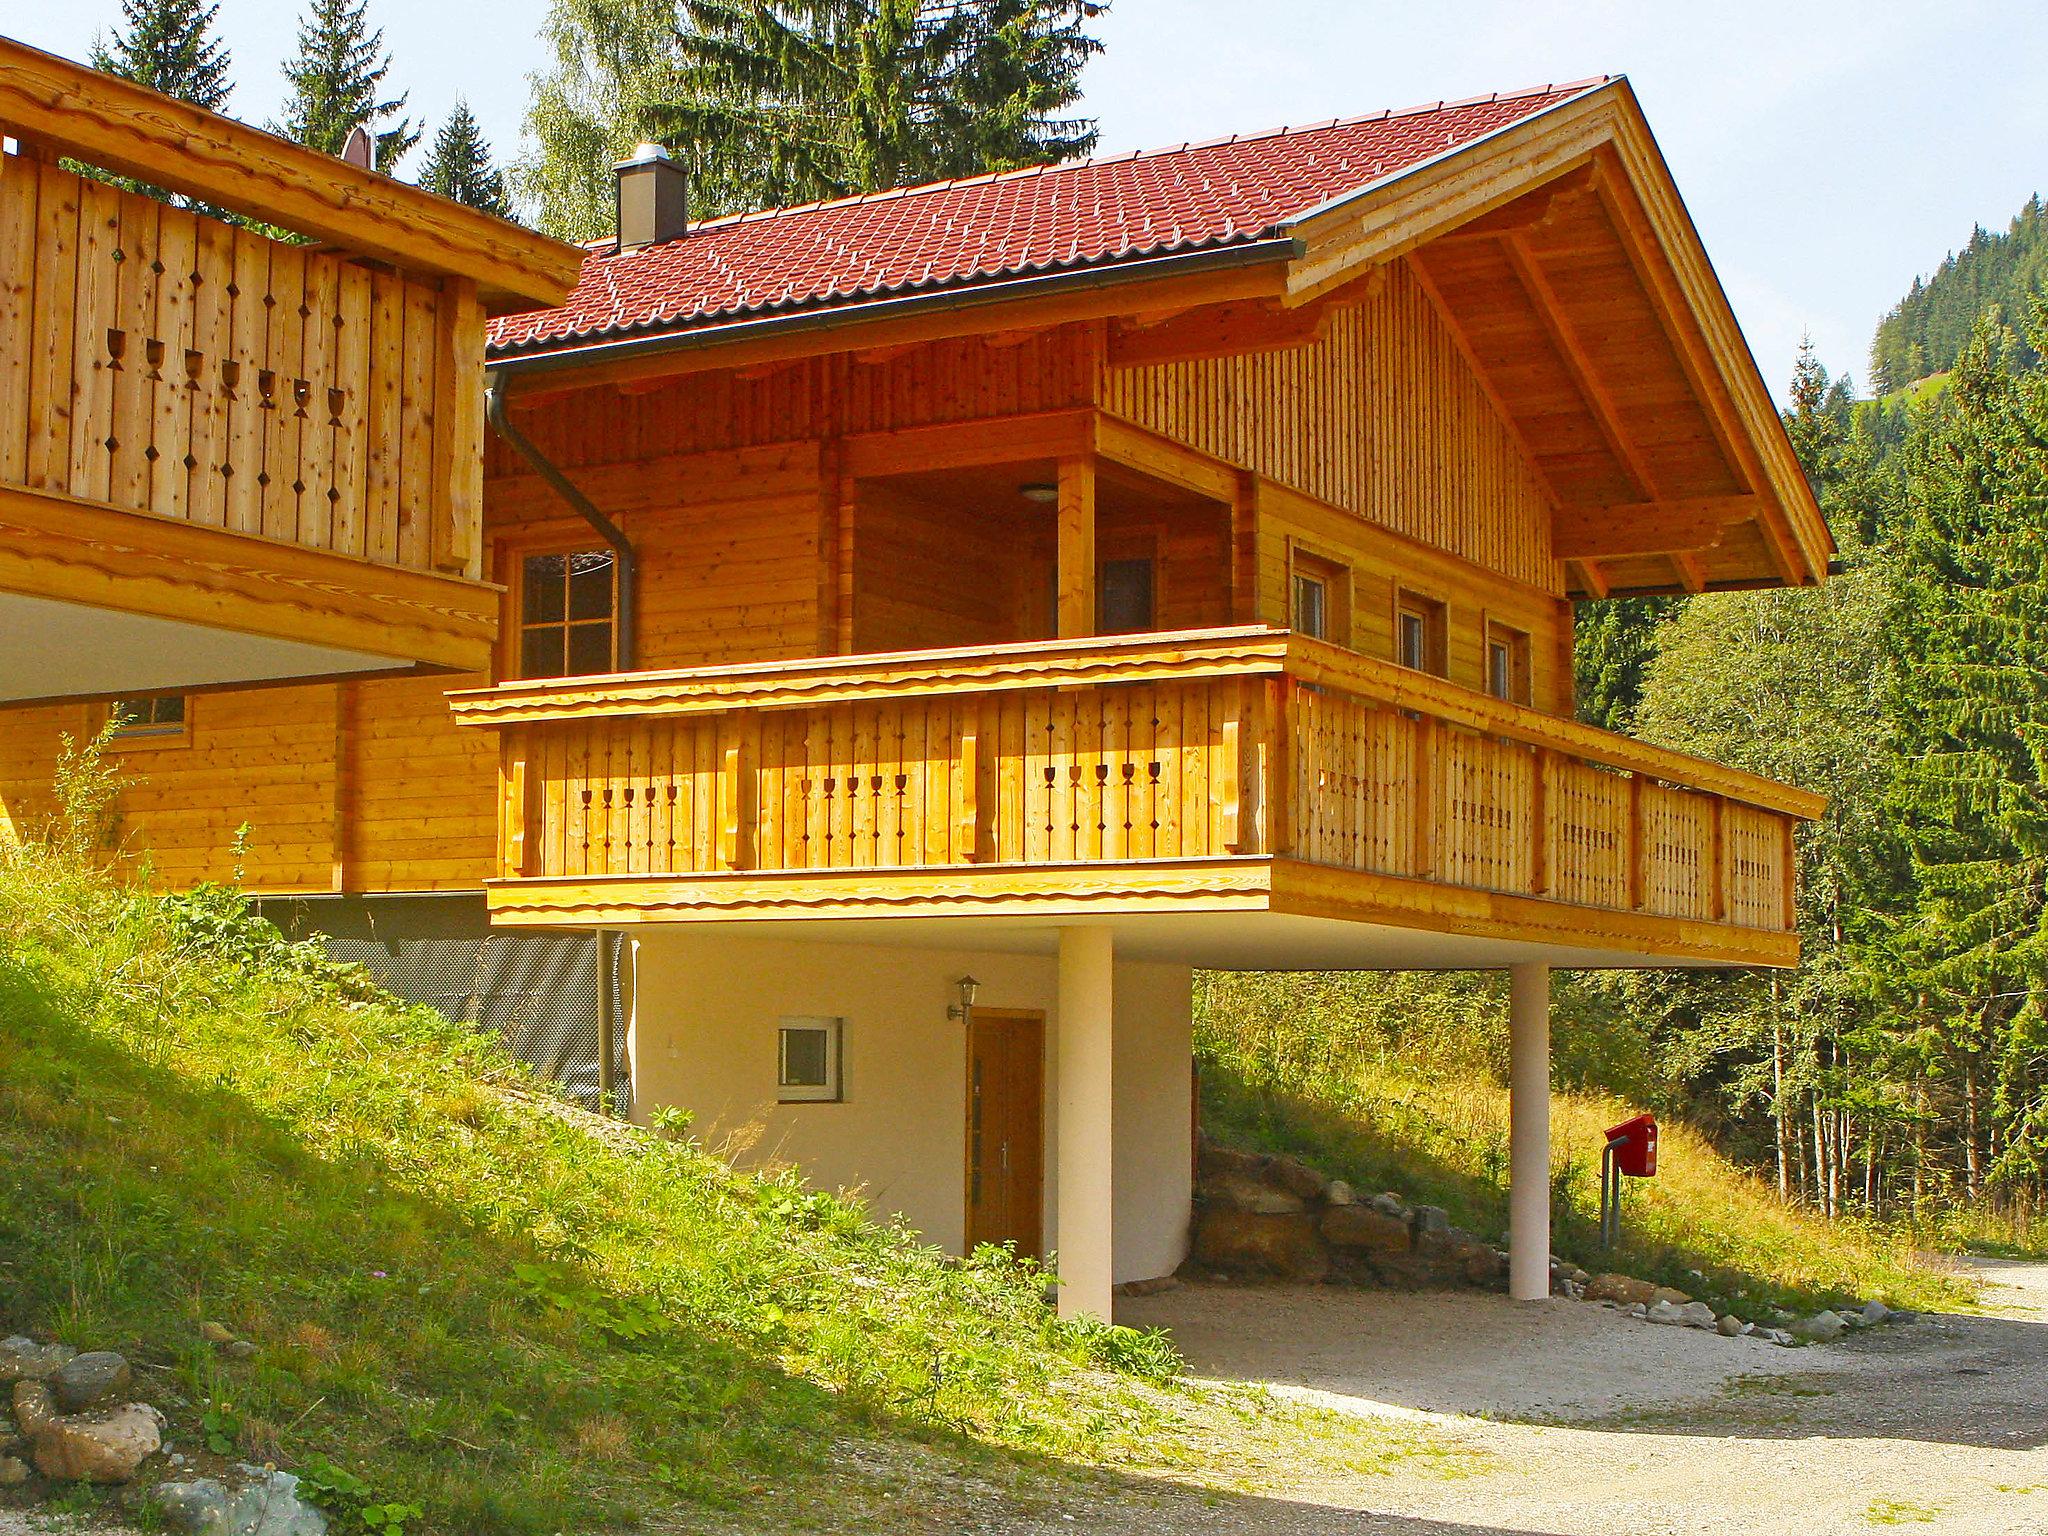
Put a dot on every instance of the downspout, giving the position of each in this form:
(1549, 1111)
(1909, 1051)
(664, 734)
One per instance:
(626, 650)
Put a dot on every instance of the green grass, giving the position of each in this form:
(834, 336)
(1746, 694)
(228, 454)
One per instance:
(1395, 1087)
(470, 1297)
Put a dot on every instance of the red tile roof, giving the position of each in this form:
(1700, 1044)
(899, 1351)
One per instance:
(1044, 219)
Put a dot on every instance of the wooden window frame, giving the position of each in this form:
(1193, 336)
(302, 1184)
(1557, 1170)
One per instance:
(833, 1089)
(512, 553)
(1435, 613)
(1339, 580)
(150, 738)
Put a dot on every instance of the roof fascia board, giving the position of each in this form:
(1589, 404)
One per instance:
(948, 311)
(119, 126)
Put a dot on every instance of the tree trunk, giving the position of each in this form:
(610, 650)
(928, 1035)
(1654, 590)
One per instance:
(1784, 1128)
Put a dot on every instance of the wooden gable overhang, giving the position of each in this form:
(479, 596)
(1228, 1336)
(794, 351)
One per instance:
(1560, 256)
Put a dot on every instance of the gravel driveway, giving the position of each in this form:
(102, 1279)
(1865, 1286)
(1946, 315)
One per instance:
(1588, 1424)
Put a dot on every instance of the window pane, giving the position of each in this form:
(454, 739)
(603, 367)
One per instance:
(1414, 641)
(540, 652)
(1125, 597)
(806, 1058)
(168, 710)
(1311, 607)
(541, 597)
(1499, 670)
(590, 586)
(590, 649)
(153, 715)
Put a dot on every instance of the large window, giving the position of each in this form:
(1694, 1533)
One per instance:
(154, 717)
(568, 606)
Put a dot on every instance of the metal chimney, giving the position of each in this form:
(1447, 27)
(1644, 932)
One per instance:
(653, 198)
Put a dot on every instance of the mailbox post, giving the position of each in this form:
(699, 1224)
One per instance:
(1631, 1152)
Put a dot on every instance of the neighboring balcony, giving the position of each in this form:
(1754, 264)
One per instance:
(1236, 796)
(225, 456)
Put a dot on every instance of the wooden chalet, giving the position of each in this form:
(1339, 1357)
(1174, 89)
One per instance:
(995, 599)
(227, 457)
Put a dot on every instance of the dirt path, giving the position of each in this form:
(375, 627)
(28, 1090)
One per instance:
(1595, 1425)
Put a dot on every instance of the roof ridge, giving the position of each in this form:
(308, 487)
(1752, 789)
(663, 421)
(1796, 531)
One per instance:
(891, 194)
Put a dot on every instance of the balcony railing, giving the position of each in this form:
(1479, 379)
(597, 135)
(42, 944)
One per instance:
(1139, 752)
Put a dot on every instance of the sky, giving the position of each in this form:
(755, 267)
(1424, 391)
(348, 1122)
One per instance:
(1828, 150)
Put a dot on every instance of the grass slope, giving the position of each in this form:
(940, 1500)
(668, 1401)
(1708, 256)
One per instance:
(1391, 1085)
(474, 1299)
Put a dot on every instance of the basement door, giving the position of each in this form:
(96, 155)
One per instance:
(1006, 1129)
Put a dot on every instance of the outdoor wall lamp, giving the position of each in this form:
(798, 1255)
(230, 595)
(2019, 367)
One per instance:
(1044, 492)
(968, 988)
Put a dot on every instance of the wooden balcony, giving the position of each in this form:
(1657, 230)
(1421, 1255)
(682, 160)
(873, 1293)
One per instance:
(224, 455)
(1220, 772)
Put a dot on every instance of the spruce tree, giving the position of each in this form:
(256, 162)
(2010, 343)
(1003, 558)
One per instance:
(337, 81)
(775, 104)
(167, 45)
(459, 166)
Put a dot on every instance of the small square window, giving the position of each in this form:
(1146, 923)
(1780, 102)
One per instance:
(1507, 664)
(808, 1061)
(1319, 593)
(1311, 606)
(1419, 633)
(567, 614)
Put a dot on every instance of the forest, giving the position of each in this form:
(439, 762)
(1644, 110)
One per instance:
(1902, 1071)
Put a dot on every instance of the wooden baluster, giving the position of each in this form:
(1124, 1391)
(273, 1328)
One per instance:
(967, 802)
(1238, 835)
(1542, 821)
(1277, 793)
(1634, 843)
(1429, 796)
(514, 809)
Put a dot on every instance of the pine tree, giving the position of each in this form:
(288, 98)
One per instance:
(336, 83)
(459, 166)
(774, 104)
(167, 45)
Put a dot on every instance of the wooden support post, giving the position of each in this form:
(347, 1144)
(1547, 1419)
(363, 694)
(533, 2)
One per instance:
(1244, 550)
(458, 489)
(1077, 616)
(346, 775)
(1788, 871)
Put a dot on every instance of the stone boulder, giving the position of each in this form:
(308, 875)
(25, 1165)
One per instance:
(88, 1380)
(23, 1359)
(1297, 1178)
(1250, 1194)
(1821, 1328)
(1282, 1244)
(1361, 1229)
(1625, 1290)
(269, 1506)
(1687, 1314)
(107, 1445)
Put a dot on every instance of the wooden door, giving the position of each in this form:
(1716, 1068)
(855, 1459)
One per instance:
(1006, 1129)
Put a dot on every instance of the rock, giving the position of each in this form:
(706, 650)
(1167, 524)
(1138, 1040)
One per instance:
(1690, 1314)
(1430, 1219)
(239, 1349)
(199, 1507)
(1626, 1289)
(13, 1471)
(34, 1408)
(1340, 1193)
(23, 1359)
(273, 1507)
(1416, 1271)
(1297, 1178)
(1245, 1192)
(1821, 1328)
(1666, 1294)
(1780, 1336)
(1152, 1287)
(1876, 1312)
(1388, 1203)
(1363, 1229)
(106, 1446)
(88, 1380)
(216, 1334)
(1259, 1242)
(1638, 1310)
(1481, 1265)
(1730, 1327)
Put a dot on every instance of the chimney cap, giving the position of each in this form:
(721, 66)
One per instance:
(644, 153)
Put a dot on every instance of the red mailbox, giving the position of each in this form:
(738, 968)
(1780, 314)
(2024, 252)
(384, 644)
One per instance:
(1634, 1146)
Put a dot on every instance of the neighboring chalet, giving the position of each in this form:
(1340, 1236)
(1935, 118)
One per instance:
(226, 457)
(1064, 579)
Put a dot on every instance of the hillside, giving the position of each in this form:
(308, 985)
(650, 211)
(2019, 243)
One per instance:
(1925, 332)
(1396, 1083)
(479, 1301)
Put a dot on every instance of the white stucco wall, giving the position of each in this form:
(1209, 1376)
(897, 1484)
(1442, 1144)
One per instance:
(706, 1006)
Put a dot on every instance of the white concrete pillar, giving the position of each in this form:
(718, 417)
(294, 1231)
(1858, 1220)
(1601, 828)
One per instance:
(1086, 1059)
(1529, 1132)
